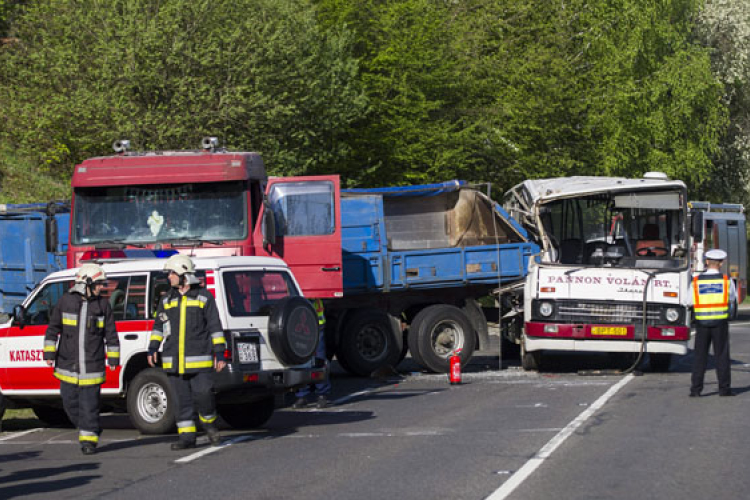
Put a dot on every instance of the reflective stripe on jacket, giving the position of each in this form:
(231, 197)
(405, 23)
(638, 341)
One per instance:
(711, 298)
(191, 330)
(318, 304)
(83, 326)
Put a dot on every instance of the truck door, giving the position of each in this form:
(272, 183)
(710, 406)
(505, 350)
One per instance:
(301, 224)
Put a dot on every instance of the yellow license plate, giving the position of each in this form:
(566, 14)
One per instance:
(609, 330)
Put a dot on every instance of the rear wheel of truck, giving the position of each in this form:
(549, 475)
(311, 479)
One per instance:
(372, 339)
(52, 415)
(437, 331)
(151, 402)
(248, 415)
(659, 362)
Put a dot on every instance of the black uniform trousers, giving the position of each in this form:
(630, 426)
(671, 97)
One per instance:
(190, 389)
(81, 403)
(719, 337)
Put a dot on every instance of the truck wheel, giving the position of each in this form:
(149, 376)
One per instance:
(530, 361)
(51, 415)
(438, 331)
(371, 340)
(149, 402)
(248, 415)
(293, 331)
(659, 362)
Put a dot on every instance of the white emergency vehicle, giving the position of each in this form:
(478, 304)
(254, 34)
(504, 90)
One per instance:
(614, 269)
(271, 333)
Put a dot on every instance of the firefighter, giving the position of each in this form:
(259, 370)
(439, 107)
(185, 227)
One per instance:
(187, 321)
(712, 292)
(84, 323)
(321, 389)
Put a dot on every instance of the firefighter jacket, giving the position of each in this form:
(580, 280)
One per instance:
(83, 326)
(190, 328)
(711, 298)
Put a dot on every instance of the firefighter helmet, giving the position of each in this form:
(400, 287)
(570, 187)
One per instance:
(180, 264)
(90, 273)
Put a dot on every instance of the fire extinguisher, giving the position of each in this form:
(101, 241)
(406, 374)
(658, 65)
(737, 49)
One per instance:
(454, 375)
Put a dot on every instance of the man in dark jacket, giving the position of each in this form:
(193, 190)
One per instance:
(188, 323)
(83, 321)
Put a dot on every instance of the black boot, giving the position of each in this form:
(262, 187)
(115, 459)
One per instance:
(182, 444)
(213, 435)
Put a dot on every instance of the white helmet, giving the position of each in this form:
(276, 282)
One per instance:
(90, 273)
(182, 265)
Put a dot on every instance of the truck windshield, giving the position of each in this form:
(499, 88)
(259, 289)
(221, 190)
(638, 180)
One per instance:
(143, 214)
(632, 229)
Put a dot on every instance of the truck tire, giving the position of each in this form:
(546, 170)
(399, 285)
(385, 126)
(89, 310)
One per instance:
(149, 402)
(52, 415)
(371, 340)
(248, 415)
(659, 362)
(438, 331)
(293, 331)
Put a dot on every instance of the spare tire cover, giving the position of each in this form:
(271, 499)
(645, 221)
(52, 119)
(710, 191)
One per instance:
(293, 330)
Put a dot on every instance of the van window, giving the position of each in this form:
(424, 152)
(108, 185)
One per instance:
(126, 296)
(39, 310)
(253, 293)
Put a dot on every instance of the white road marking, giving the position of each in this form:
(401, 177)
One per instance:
(532, 464)
(19, 434)
(213, 449)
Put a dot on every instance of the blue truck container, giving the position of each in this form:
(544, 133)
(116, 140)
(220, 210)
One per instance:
(33, 243)
(416, 261)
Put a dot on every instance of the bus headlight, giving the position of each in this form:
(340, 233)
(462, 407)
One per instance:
(546, 309)
(672, 314)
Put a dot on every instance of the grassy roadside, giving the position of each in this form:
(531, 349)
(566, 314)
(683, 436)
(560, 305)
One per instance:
(23, 181)
(20, 420)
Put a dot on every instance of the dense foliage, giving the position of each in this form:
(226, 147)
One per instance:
(389, 92)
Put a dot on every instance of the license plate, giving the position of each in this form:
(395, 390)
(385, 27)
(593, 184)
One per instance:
(609, 330)
(248, 352)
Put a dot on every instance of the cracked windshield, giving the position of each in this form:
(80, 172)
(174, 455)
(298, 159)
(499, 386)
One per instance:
(623, 230)
(145, 214)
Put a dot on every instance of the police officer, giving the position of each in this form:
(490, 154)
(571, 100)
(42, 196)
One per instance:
(83, 321)
(187, 321)
(321, 389)
(712, 292)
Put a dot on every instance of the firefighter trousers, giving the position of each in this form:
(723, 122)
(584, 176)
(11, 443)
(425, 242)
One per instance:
(193, 390)
(81, 403)
(719, 337)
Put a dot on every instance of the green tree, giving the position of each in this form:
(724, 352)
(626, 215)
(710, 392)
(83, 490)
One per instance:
(260, 74)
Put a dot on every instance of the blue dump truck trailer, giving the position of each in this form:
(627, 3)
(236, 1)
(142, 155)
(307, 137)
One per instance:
(417, 261)
(33, 243)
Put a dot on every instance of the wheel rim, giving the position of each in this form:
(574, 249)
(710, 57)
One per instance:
(152, 402)
(446, 337)
(371, 343)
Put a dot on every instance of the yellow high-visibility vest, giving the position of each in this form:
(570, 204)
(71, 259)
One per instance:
(711, 297)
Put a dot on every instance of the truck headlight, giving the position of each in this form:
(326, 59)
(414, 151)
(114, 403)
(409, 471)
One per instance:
(672, 314)
(546, 309)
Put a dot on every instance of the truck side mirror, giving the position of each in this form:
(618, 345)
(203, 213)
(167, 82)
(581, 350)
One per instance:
(50, 234)
(19, 315)
(697, 226)
(269, 225)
